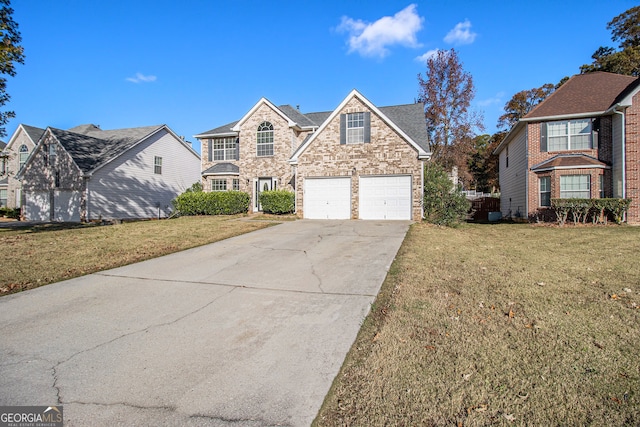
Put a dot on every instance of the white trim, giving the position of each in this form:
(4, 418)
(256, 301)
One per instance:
(221, 174)
(627, 101)
(263, 101)
(215, 135)
(570, 167)
(355, 94)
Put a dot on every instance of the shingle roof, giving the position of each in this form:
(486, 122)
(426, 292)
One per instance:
(410, 118)
(2, 145)
(222, 169)
(585, 93)
(33, 132)
(567, 161)
(294, 114)
(221, 130)
(4, 181)
(318, 118)
(91, 149)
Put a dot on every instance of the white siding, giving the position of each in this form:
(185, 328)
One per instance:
(127, 187)
(513, 179)
(616, 153)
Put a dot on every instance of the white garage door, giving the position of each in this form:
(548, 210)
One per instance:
(385, 197)
(37, 207)
(66, 206)
(327, 198)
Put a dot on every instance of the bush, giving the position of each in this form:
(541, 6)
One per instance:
(213, 203)
(599, 209)
(10, 212)
(278, 202)
(443, 204)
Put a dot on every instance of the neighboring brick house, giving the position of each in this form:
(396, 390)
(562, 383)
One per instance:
(86, 173)
(12, 158)
(357, 161)
(582, 141)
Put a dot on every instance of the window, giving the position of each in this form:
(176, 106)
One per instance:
(23, 156)
(575, 186)
(218, 185)
(3, 198)
(265, 139)
(56, 181)
(355, 128)
(224, 148)
(602, 194)
(157, 165)
(545, 190)
(569, 135)
(52, 154)
(3, 165)
(236, 184)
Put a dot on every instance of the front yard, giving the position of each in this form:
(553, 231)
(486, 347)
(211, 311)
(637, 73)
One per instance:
(39, 255)
(507, 324)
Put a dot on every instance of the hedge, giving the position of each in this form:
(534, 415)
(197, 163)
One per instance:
(213, 203)
(10, 212)
(599, 210)
(277, 202)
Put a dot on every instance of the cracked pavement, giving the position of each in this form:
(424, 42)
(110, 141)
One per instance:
(249, 331)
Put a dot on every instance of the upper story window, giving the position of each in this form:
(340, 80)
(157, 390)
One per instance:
(265, 139)
(3, 165)
(355, 128)
(52, 153)
(157, 165)
(225, 148)
(569, 135)
(23, 155)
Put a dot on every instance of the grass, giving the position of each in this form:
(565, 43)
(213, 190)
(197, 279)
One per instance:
(507, 324)
(39, 255)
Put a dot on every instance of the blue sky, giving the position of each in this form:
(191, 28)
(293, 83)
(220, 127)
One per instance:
(198, 64)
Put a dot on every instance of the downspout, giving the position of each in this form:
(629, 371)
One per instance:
(624, 152)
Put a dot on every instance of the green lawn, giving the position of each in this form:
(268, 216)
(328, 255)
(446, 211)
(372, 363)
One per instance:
(506, 324)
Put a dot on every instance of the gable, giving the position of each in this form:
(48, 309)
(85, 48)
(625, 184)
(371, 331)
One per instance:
(356, 101)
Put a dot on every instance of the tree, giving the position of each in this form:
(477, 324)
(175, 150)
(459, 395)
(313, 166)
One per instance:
(10, 53)
(447, 91)
(523, 102)
(625, 29)
(483, 164)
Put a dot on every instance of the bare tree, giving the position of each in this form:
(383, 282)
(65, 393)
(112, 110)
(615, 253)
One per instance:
(447, 91)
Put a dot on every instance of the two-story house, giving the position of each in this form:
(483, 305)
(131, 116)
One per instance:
(12, 158)
(86, 173)
(356, 161)
(582, 141)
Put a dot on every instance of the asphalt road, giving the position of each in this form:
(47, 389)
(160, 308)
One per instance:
(249, 331)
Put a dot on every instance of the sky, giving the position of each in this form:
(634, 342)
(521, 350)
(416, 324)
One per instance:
(199, 64)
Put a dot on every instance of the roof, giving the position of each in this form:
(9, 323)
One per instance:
(569, 161)
(585, 93)
(222, 169)
(2, 145)
(33, 132)
(95, 147)
(409, 118)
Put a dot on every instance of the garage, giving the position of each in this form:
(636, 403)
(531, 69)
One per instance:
(385, 197)
(37, 206)
(327, 198)
(66, 206)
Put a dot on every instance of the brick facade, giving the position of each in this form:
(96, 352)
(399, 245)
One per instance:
(13, 166)
(632, 160)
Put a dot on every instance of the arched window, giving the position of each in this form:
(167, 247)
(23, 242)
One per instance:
(24, 155)
(265, 139)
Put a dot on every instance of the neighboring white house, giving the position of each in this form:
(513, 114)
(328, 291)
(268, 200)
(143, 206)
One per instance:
(86, 173)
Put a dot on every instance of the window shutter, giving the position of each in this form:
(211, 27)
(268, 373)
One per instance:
(367, 127)
(237, 148)
(210, 149)
(543, 137)
(595, 127)
(343, 128)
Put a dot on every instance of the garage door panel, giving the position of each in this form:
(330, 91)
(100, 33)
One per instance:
(37, 206)
(66, 206)
(385, 197)
(327, 198)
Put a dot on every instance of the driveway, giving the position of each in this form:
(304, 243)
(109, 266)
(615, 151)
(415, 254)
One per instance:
(249, 331)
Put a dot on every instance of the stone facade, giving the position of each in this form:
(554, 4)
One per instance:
(387, 154)
(12, 166)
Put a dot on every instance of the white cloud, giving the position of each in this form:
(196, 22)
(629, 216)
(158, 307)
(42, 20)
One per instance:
(373, 39)
(141, 78)
(428, 54)
(461, 34)
(497, 99)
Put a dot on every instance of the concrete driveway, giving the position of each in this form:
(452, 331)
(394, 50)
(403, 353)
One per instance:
(249, 331)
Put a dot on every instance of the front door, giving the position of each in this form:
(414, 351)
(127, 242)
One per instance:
(262, 184)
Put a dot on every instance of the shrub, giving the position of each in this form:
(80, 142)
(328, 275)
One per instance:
(278, 201)
(599, 209)
(213, 203)
(10, 212)
(196, 187)
(443, 204)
